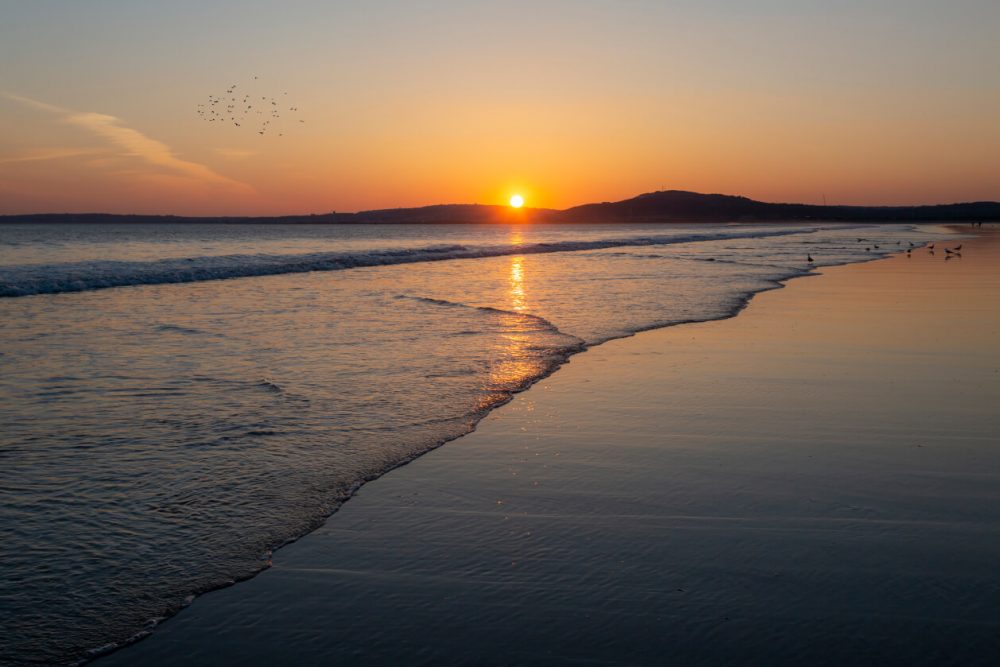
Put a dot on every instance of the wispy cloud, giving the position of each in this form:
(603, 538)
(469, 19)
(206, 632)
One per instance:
(41, 106)
(50, 154)
(134, 143)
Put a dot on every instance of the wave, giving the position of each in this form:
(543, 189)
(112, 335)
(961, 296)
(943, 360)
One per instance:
(541, 321)
(33, 279)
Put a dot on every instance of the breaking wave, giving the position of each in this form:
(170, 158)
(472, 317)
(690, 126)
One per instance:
(31, 279)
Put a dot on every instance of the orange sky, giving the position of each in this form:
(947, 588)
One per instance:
(565, 102)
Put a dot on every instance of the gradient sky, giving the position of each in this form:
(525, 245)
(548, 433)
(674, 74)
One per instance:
(413, 103)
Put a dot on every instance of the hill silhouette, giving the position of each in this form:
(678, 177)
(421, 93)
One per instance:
(679, 205)
(662, 206)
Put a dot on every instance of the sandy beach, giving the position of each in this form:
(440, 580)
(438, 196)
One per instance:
(815, 481)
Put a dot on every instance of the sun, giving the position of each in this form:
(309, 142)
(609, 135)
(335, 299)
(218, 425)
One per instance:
(517, 201)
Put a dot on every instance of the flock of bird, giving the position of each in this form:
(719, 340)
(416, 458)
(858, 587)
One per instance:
(244, 109)
(948, 252)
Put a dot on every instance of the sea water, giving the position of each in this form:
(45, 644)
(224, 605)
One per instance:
(177, 400)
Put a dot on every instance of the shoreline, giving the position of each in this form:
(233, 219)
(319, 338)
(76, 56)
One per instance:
(564, 358)
(154, 552)
(176, 640)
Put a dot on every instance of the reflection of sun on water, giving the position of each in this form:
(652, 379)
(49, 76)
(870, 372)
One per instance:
(517, 300)
(518, 354)
(518, 357)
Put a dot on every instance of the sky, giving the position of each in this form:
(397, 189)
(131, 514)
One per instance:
(412, 103)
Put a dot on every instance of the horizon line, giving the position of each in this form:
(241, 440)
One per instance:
(525, 209)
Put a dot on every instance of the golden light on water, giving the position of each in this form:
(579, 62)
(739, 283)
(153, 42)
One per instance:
(517, 300)
(516, 293)
(517, 201)
(515, 356)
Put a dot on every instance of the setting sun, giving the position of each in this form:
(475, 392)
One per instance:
(517, 201)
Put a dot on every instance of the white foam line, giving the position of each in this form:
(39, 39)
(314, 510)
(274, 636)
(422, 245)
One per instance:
(27, 280)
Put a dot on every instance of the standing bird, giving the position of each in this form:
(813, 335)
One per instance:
(930, 247)
(809, 258)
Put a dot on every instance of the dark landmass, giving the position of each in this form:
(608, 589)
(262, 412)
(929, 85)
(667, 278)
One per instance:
(665, 206)
(678, 205)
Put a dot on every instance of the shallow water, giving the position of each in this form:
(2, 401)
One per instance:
(162, 436)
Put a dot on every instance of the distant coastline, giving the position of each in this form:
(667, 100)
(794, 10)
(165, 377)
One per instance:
(654, 207)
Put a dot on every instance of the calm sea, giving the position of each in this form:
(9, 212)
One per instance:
(176, 401)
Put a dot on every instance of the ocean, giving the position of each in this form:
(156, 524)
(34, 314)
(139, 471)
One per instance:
(180, 400)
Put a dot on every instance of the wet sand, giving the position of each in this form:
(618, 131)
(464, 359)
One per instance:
(816, 481)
